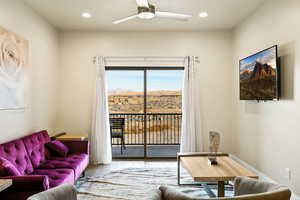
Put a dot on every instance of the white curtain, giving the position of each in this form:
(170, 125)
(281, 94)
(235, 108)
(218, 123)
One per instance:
(100, 134)
(191, 139)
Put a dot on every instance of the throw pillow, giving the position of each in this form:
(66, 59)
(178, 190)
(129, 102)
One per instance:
(7, 168)
(58, 148)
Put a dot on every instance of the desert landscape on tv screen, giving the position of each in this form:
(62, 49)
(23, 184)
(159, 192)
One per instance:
(258, 76)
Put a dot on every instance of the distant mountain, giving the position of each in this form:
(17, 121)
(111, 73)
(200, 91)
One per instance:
(245, 75)
(119, 90)
(149, 93)
(261, 71)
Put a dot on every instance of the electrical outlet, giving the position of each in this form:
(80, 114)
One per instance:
(287, 174)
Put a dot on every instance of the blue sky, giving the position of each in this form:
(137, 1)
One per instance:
(133, 80)
(268, 56)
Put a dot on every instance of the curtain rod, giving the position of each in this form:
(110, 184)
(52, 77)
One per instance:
(147, 58)
(144, 57)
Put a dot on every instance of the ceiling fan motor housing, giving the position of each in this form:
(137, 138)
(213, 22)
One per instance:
(146, 13)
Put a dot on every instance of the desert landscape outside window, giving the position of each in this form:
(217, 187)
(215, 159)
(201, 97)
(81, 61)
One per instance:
(150, 101)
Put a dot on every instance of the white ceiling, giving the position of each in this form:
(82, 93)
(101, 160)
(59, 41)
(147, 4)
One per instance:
(66, 14)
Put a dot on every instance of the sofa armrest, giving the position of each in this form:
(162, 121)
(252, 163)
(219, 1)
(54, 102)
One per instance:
(28, 183)
(77, 146)
(155, 194)
(63, 192)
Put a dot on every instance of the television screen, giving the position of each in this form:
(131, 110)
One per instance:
(259, 76)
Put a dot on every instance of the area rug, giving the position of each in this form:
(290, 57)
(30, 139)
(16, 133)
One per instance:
(136, 183)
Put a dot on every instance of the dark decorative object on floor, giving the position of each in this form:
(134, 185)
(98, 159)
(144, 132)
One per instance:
(214, 143)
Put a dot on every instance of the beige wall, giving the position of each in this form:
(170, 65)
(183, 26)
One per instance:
(268, 133)
(43, 71)
(78, 72)
(263, 134)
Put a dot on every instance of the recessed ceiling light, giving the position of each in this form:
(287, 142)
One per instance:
(86, 15)
(203, 14)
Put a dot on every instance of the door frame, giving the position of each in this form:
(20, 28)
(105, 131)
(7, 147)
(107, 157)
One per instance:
(144, 69)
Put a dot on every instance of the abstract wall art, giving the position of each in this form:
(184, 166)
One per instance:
(13, 78)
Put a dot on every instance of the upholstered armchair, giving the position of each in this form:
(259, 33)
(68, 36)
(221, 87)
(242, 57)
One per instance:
(62, 192)
(244, 189)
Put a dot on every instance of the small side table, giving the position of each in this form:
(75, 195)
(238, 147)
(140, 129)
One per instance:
(5, 183)
(76, 137)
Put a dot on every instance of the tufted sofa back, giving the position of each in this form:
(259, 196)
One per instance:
(35, 146)
(16, 153)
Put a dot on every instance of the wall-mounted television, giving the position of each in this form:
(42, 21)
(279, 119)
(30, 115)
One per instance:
(260, 76)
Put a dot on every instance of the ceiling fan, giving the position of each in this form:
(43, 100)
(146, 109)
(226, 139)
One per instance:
(148, 11)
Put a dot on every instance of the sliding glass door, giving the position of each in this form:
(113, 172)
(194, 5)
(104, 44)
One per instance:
(148, 100)
(126, 101)
(163, 103)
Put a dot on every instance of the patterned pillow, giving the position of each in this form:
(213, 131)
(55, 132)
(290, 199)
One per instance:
(58, 148)
(7, 168)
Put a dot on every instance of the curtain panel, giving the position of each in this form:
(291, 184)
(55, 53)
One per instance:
(191, 130)
(100, 132)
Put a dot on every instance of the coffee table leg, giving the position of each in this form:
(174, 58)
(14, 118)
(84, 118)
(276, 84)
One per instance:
(178, 170)
(221, 188)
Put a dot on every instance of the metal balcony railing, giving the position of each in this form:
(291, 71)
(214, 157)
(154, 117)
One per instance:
(161, 129)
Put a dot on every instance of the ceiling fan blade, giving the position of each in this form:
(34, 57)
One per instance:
(170, 15)
(142, 3)
(124, 19)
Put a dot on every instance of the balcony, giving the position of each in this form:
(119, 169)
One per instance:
(156, 134)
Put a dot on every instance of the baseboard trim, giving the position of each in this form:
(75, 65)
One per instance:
(261, 175)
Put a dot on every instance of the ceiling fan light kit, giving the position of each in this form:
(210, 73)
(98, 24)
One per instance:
(148, 11)
(86, 15)
(203, 14)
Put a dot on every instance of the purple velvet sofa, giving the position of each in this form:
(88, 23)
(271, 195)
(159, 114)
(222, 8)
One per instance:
(41, 171)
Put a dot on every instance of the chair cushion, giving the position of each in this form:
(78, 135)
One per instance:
(57, 148)
(172, 194)
(248, 186)
(56, 176)
(76, 162)
(35, 147)
(16, 153)
(116, 134)
(7, 168)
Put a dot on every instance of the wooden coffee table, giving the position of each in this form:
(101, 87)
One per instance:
(198, 167)
(5, 183)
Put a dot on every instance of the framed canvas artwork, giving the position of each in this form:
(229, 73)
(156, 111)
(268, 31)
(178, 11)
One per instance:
(13, 78)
